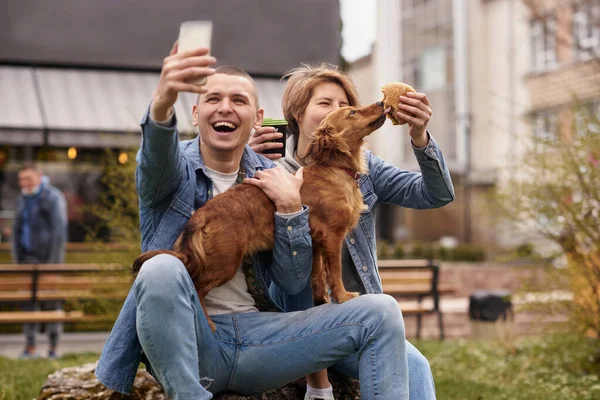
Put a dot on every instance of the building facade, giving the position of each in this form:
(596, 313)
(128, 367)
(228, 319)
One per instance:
(498, 73)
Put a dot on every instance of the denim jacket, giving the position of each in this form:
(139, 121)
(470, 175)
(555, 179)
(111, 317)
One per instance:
(169, 176)
(386, 183)
(383, 183)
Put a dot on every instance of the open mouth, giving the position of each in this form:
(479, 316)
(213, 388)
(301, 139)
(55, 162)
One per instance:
(224, 127)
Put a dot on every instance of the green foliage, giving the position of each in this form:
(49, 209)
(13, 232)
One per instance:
(524, 250)
(555, 192)
(384, 251)
(115, 217)
(399, 251)
(418, 250)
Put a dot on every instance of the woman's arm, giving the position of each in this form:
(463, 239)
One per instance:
(430, 188)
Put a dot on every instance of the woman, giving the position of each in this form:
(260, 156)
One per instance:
(310, 94)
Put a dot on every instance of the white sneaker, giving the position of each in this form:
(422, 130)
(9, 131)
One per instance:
(313, 397)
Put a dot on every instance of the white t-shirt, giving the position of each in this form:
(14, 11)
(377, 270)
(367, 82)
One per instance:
(232, 297)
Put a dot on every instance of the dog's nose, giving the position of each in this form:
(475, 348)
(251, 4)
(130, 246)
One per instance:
(379, 103)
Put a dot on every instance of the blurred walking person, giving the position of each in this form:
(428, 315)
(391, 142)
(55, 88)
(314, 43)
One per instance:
(39, 236)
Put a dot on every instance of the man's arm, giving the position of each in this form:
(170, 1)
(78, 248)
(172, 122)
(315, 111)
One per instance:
(160, 166)
(159, 163)
(292, 252)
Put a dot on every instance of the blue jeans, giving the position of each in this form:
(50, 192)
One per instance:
(254, 352)
(420, 379)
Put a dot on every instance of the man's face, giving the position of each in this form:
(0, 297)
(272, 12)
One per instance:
(29, 180)
(226, 114)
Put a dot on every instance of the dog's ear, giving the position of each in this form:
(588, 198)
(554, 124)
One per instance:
(322, 138)
(326, 140)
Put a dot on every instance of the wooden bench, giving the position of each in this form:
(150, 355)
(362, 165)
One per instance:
(415, 279)
(35, 283)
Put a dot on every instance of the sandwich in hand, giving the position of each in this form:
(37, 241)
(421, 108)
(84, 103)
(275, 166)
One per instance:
(391, 98)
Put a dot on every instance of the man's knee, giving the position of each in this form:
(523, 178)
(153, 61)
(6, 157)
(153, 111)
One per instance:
(162, 273)
(386, 308)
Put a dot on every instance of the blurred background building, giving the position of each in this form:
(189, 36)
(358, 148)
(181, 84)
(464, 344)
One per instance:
(76, 78)
(496, 72)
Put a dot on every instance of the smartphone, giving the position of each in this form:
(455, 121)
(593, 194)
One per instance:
(194, 34)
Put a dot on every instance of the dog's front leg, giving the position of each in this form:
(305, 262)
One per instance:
(332, 253)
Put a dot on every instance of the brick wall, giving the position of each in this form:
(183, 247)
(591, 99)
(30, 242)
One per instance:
(468, 277)
(563, 86)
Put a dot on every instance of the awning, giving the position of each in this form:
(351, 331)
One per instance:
(20, 136)
(266, 37)
(90, 108)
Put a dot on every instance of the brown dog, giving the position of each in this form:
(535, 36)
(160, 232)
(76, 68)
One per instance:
(330, 189)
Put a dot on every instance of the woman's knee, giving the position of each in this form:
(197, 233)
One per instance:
(420, 377)
(417, 363)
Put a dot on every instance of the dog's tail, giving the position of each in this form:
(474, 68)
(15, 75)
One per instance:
(190, 245)
(188, 248)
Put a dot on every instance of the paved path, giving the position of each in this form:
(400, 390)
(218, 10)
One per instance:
(12, 345)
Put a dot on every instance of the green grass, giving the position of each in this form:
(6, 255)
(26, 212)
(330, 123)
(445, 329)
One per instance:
(558, 367)
(23, 379)
(561, 367)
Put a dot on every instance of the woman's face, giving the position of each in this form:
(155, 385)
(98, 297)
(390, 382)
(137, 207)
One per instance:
(326, 97)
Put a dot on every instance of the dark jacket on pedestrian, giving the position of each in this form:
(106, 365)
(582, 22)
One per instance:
(40, 229)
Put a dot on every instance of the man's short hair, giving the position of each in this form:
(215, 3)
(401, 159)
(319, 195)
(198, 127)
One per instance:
(29, 166)
(235, 71)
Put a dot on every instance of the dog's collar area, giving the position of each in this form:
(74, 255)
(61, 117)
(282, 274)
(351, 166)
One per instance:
(353, 174)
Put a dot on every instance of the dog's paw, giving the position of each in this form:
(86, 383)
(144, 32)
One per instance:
(344, 296)
(321, 299)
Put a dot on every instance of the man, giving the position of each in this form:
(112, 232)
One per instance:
(251, 351)
(39, 235)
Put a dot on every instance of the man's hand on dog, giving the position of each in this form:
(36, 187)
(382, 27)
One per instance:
(281, 187)
(415, 108)
(178, 71)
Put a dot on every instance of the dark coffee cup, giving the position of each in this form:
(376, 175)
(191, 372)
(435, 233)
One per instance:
(281, 126)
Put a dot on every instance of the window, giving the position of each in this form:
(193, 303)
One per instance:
(431, 72)
(545, 125)
(586, 29)
(543, 43)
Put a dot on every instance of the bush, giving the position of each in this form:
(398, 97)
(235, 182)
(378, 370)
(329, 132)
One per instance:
(430, 251)
(556, 187)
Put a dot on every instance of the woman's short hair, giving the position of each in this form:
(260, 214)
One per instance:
(299, 89)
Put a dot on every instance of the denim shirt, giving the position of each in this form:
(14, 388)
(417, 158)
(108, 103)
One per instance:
(384, 183)
(169, 179)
